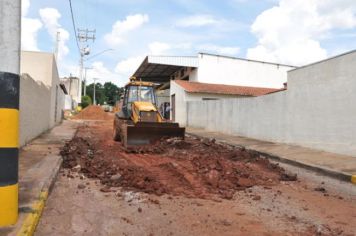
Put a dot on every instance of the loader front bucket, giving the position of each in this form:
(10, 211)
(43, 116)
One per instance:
(144, 133)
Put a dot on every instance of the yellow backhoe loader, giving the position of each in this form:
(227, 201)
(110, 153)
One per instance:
(138, 122)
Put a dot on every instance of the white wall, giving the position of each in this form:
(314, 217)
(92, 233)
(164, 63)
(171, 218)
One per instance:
(41, 98)
(180, 103)
(193, 76)
(232, 71)
(317, 111)
(72, 85)
(34, 105)
(182, 97)
(68, 102)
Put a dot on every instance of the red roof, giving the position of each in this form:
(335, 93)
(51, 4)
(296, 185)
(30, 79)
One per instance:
(196, 87)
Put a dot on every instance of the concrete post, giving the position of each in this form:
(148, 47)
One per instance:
(94, 102)
(10, 49)
(85, 82)
(81, 64)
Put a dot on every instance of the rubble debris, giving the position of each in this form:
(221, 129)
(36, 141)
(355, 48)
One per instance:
(325, 230)
(116, 177)
(320, 189)
(173, 166)
(81, 186)
(225, 222)
(127, 220)
(256, 198)
(105, 189)
(288, 177)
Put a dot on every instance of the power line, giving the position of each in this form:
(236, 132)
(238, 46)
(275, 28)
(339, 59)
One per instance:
(74, 28)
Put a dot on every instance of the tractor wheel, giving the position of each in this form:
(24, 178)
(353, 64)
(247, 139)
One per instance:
(116, 131)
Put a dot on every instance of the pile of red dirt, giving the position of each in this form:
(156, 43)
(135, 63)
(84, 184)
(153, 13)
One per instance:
(190, 167)
(92, 113)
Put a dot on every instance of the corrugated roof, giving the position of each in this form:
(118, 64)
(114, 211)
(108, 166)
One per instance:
(184, 61)
(196, 87)
(249, 60)
(158, 69)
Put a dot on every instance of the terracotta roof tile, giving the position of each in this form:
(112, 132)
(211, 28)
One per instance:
(197, 87)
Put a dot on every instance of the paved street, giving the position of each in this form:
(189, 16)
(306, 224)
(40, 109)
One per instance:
(80, 205)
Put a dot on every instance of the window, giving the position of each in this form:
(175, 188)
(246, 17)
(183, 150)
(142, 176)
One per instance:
(141, 93)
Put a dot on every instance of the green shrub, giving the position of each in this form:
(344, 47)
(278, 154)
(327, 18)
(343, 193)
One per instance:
(86, 101)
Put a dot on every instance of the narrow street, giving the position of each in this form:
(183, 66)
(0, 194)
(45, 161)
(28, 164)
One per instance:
(187, 118)
(190, 187)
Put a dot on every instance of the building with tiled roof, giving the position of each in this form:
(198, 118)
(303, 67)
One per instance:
(206, 77)
(223, 89)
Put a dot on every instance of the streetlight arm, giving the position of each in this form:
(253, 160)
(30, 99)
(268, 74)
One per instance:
(97, 54)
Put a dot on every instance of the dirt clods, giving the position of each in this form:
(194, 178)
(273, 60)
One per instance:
(320, 189)
(190, 167)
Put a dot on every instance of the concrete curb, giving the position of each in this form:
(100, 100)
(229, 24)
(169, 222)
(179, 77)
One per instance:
(318, 169)
(30, 223)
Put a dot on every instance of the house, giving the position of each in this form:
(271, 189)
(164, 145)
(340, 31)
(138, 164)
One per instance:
(316, 111)
(208, 71)
(72, 99)
(183, 91)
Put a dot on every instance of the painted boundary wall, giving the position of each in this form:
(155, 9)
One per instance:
(182, 97)
(41, 98)
(318, 110)
(234, 71)
(34, 106)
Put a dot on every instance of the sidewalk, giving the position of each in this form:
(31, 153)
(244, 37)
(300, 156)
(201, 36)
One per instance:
(335, 165)
(39, 164)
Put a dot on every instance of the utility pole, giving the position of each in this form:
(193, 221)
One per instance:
(57, 45)
(83, 35)
(95, 79)
(10, 50)
(85, 79)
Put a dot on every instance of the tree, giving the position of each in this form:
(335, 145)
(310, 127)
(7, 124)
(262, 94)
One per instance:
(99, 93)
(86, 101)
(109, 92)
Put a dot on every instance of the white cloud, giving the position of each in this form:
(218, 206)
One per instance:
(29, 29)
(121, 28)
(104, 74)
(291, 32)
(197, 21)
(128, 66)
(158, 48)
(100, 71)
(125, 68)
(25, 5)
(232, 51)
(50, 18)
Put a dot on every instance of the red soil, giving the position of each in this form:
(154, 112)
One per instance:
(93, 113)
(190, 167)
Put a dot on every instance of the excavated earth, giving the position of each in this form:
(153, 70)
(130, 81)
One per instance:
(191, 167)
(188, 187)
(92, 112)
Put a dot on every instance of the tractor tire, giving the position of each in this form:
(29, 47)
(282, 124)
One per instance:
(116, 131)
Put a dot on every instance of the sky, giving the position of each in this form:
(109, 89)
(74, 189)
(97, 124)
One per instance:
(294, 32)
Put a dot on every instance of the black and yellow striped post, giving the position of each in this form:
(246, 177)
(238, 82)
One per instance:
(10, 47)
(9, 123)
